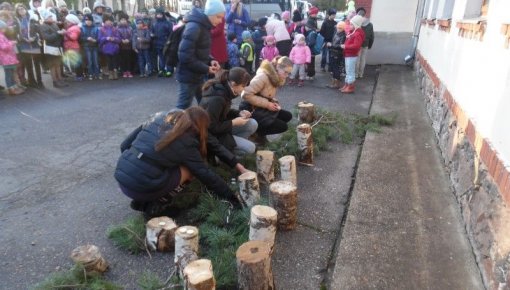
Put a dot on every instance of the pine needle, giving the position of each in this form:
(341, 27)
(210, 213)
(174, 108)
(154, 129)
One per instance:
(130, 235)
(76, 278)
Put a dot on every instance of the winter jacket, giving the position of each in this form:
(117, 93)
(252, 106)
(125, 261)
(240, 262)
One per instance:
(262, 88)
(98, 19)
(368, 28)
(335, 48)
(247, 51)
(141, 39)
(194, 48)
(109, 47)
(28, 29)
(353, 43)
(233, 54)
(86, 32)
(142, 169)
(311, 38)
(277, 29)
(328, 29)
(219, 47)
(161, 31)
(235, 27)
(72, 38)
(300, 54)
(125, 32)
(258, 38)
(7, 54)
(217, 100)
(49, 32)
(269, 52)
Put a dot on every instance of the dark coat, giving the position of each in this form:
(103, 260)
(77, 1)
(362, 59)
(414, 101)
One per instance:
(217, 101)
(369, 35)
(150, 172)
(328, 29)
(161, 31)
(86, 32)
(338, 40)
(195, 48)
(49, 32)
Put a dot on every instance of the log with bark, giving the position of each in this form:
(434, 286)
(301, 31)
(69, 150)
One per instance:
(254, 266)
(288, 169)
(265, 165)
(198, 275)
(306, 112)
(186, 247)
(160, 234)
(90, 257)
(284, 201)
(263, 220)
(305, 144)
(249, 188)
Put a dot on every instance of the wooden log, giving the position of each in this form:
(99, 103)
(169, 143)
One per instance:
(254, 266)
(186, 247)
(198, 275)
(263, 220)
(288, 169)
(284, 201)
(160, 234)
(305, 144)
(265, 165)
(306, 112)
(249, 188)
(90, 257)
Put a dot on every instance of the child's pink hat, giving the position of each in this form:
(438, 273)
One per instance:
(270, 38)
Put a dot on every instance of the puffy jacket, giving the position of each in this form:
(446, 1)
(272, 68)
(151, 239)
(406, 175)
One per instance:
(50, 35)
(125, 32)
(237, 28)
(161, 30)
(328, 29)
(194, 48)
(300, 54)
(7, 54)
(109, 47)
(141, 39)
(338, 40)
(233, 54)
(277, 29)
(353, 43)
(269, 52)
(148, 172)
(258, 38)
(86, 32)
(72, 38)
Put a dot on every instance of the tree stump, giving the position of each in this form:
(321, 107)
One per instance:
(160, 234)
(265, 165)
(91, 259)
(284, 201)
(249, 188)
(263, 220)
(198, 275)
(288, 169)
(306, 112)
(186, 247)
(254, 266)
(305, 144)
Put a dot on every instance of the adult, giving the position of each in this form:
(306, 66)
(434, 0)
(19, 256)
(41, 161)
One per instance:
(29, 48)
(277, 29)
(328, 29)
(259, 97)
(231, 127)
(53, 37)
(194, 51)
(238, 18)
(219, 49)
(286, 19)
(313, 13)
(352, 47)
(258, 37)
(163, 154)
(368, 28)
(297, 25)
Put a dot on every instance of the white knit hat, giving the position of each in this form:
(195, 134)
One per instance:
(356, 21)
(73, 19)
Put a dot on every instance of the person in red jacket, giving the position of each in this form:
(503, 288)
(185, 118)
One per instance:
(219, 41)
(72, 45)
(352, 47)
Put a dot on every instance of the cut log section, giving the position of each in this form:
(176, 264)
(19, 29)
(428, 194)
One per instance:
(263, 220)
(186, 247)
(91, 259)
(249, 188)
(198, 275)
(306, 112)
(305, 144)
(160, 234)
(265, 165)
(288, 169)
(254, 266)
(284, 201)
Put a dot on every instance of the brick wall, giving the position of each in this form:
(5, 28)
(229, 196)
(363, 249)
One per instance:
(367, 4)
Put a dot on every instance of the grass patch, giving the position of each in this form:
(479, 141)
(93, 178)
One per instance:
(130, 235)
(76, 278)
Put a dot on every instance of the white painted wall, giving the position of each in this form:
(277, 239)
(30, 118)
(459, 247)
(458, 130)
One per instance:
(476, 73)
(393, 16)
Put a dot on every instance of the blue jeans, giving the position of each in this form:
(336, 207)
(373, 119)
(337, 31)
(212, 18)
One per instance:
(186, 93)
(241, 134)
(324, 56)
(162, 62)
(350, 69)
(144, 59)
(92, 62)
(9, 76)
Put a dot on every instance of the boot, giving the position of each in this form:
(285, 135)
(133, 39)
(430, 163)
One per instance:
(349, 89)
(14, 91)
(115, 74)
(342, 88)
(335, 84)
(301, 83)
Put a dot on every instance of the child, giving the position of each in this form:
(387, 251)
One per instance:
(300, 55)
(247, 52)
(89, 34)
(72, 45)
(336, 56)
(8, 60)
(126, 50)
(109, 40)
(258, 37)
(232, 50)
(311, 38)
(352, 47)
(141, 45)
(269, 51)
(160, 31)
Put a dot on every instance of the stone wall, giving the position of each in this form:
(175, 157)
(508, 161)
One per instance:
(479, 178)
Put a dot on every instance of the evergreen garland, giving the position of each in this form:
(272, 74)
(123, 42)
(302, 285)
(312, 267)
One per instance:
(76, 278)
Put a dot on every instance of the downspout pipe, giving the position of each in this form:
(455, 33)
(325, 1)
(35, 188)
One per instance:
(416, 32)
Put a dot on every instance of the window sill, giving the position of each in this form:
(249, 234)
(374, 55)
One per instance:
(444, 24)
(472, 28)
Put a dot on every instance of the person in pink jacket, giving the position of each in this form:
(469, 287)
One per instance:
(352, 47)
(72, 45)
(8, 60)
(300, 55)
(269, 51)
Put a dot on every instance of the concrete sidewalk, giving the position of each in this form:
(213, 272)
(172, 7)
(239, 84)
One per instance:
(403, 228)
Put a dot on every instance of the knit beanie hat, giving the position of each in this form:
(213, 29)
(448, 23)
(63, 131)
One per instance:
(313, 10)
(341, 24)
(3, 24)
(97, 4)
(286, 15)
(246, 34)
(296, 16)
(356, 21)
(87, 10)
(73, 19)
(270, 38)
(213, 7)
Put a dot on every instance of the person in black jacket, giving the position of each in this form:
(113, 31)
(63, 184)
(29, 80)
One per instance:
(165, 153)
(194, 51)
(336, 56)
(230, 126)
(368, 28)
(328, 30)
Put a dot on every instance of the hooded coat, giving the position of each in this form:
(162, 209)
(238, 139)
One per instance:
(262, 88)
(353, 43)
(72, 37)
(7, 54)
(161, 30)
(109, 47)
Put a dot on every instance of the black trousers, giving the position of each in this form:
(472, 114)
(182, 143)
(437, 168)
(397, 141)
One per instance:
(127, 60)
(278, 126)
(284, 47)
(310, 69)
(336, 64)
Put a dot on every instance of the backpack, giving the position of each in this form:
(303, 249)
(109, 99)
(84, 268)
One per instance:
(171, 48)
(319, 43)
